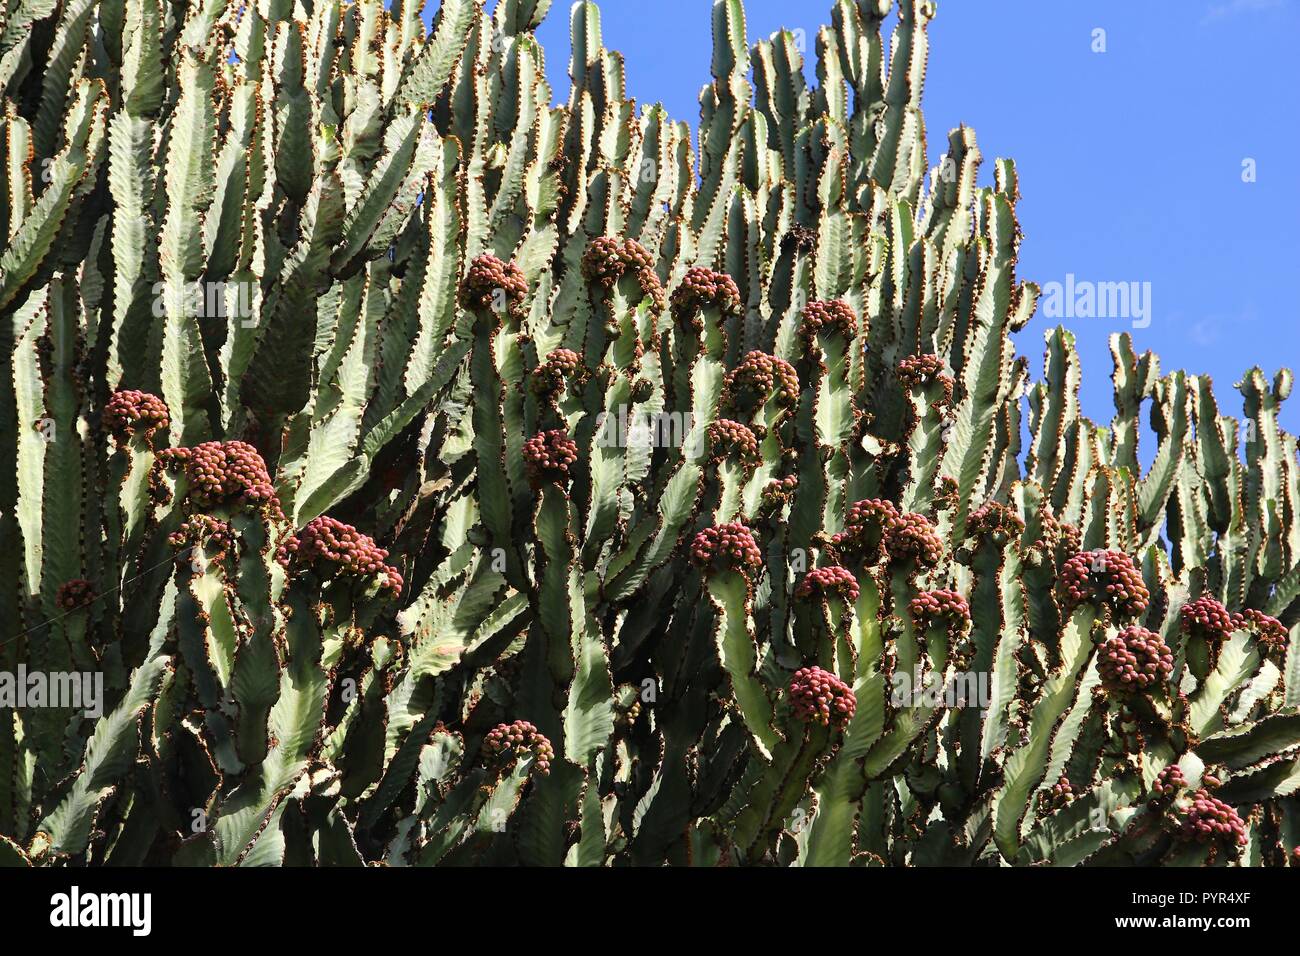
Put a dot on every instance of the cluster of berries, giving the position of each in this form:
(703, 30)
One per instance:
(74, 595)
(819, 697)
(1108, 577)
(912, 536)
(865, 525)
(779, 491)
(1269, 631)
(560, 366)
(821, 318)
(1056, 796)
(726, 547)
(331, 547)
(1207, 618)
(996, 521)
(1207, 819)
(727, 437)
(202, 530)
(831, 579)
(518, 740)
(224, 473)
(129, 413)
(1134, 661)
(608, 259)
(547, 457)
(703, 289)
(759, 375)
(488, 279)
(932, 608)
(1169, 782)
(919, 370)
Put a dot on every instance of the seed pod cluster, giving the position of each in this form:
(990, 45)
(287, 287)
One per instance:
(995, 521)
(74, 594)
(728, 438)
(726, 547)
(1134, 661)
(941, 607)
(517, 740)
(547, 457)
(824, 317)
(560, 367)
(333, 548)
(224, 474)
(607, 259)
(1206, 819)
(1206, 618)
(759, 375)
(129, 413)
(1106, 578)
(913, 537)
(488, 279)
(819, 697)
(703, 289)
(831, 579)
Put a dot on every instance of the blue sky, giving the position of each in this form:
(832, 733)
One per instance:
(1130, 160)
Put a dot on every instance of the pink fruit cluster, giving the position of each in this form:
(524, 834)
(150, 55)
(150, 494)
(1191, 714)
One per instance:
(129, 413)
(865, 525)
(759, 375)
(1134, 661)
(1169, 781)
(517, 740)
(608, 259)
(74, 594)
(819, 697)
(1206, 618)
(918, 370)
(831, 579)
(912, 536)
(823, 317)
(1058, 795)
(560, 366)
(703, 289)
(727, 437)
(547, 457)
(1270, 632)
(780, 491)
(204, 530)
(333, 548)
(726, 547)
(996, 521)
(1207, 819)
(488, 274)
(940, 607)
(224, 473)
(1104, 577)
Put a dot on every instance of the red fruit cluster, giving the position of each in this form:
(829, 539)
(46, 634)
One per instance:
(130, 413)
(703, 289)
(727, 438)
(831, 579)
(864, 529)
(759, 375)
(1105, 577)
(1134, 661)
(917, 370)
(200, 530)
(996, 521)
(913, 536)
(224, 473)
(1169, 781)
(835, 315)
(949, 608)
(560, 366)
(518, 740)
(819, 697)
(73, 595)
(1208, 819)
(608, 259)
(1058, 795)
(1269, 631)
(1070, 537)
(1207, 618)
(486, 275)
(547, 457)
(779, 491)
(726, 547)
(332, 548)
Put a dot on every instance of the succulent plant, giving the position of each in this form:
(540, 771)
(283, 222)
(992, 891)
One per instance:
(496, 636)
